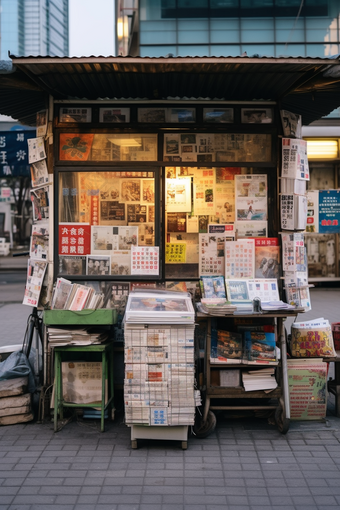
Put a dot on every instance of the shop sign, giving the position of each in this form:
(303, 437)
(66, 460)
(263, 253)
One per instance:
(14, 153)
(329, 211)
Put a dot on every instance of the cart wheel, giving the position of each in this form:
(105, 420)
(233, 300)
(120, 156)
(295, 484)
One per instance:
(281, 421)
(184, 445)
(134, 444)
(203, 429)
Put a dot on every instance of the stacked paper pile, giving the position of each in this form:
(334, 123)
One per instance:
(75, 336)
(159, 375)
(263, 379)
(216, 306)
(159, 307)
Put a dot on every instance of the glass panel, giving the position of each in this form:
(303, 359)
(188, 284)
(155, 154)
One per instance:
(258, 49)
(193, 51)
(107, 147)
(103, 218)
(158, 37)
(154, 51)
(321, 177)
(321, 255)
(226, 50)
(223, 147)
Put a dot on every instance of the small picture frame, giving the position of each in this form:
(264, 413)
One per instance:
(218, 115)
(257, 115)
(114, 115)
(78, 115)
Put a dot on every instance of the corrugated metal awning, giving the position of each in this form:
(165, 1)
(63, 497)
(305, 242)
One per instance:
(298, 84)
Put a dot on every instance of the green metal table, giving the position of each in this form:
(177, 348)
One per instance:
(105, 352)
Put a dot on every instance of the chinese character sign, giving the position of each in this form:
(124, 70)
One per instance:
(14, 152)
(74, 239)
(329, 211)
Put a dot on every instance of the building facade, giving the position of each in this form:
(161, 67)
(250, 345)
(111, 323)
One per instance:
(229, 28)
(34, 27)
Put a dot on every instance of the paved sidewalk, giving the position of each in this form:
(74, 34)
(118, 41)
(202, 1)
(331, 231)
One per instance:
(246, 464)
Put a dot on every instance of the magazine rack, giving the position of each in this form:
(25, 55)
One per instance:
(280, 395)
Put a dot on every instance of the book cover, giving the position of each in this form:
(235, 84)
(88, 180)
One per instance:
(229, 345)
(260, 346)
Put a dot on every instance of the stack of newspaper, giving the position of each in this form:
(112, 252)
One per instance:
(74, 296)
(159, 374)
(69, 335)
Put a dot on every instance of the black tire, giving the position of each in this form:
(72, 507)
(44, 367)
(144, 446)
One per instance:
(281, 421)
(204, 429)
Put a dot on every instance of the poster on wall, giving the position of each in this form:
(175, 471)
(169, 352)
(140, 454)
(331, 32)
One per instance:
(204, 191)
(329, 211)
(240, 259)
(178, 195)
(145, 260)
(251, 197)
(75, 146)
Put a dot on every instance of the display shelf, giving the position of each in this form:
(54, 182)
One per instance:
(279, 396)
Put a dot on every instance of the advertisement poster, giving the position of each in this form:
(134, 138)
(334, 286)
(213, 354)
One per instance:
(175, 253)
(329, 211)
(251, 197)
(74, 239)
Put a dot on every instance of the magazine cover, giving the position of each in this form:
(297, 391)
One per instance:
(229, 345)
(213, 287)
(267, 257)
(260, 346)
(39, 173)
(39, 241)
(40, 203)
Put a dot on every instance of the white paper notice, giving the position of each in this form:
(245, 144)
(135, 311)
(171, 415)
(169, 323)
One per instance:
(145, 260)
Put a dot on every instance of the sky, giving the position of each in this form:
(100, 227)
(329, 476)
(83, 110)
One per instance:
(91, 28)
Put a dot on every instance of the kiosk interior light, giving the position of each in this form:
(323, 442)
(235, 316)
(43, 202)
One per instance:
(321, 149)
(126, 142)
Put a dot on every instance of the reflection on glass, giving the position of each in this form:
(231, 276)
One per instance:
(107, 147)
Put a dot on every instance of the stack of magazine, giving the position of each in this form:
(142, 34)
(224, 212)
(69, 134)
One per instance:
(74, 296)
